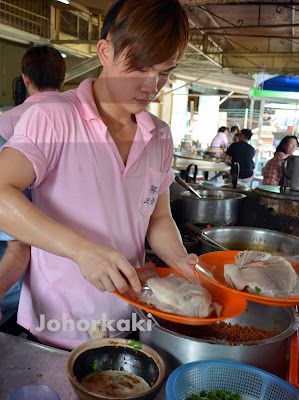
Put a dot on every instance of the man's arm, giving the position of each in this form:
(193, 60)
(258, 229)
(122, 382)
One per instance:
(13, 265)
(165, 239)
(226, 159)
(101, 265)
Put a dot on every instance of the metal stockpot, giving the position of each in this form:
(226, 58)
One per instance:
(268, 354)
(248, 238)
(215, 207)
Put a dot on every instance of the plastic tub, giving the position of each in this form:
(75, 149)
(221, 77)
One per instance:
(35, 392)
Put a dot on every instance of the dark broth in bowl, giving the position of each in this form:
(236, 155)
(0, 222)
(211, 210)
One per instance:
(115, 383)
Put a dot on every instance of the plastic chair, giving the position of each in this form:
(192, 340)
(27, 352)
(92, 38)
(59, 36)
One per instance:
(259, 169)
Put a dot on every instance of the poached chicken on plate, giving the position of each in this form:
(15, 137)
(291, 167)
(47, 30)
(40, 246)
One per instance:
(261, 273)
(176, 294)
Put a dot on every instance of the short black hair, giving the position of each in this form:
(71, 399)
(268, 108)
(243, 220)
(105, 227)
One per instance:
(247, 133)
(234, 128)
(222, 129)
(44, 66)
(111, 17)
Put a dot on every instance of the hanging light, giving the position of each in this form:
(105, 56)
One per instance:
(64, 1)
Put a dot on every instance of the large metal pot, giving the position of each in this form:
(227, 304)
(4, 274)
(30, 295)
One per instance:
(268, 354)
(248, 210)
(215, 207)
(248, 238)
(278, 210)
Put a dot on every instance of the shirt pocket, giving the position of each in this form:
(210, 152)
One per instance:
(150, 191)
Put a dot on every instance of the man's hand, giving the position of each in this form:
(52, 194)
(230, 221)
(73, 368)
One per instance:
(186, 265)
(106, 268)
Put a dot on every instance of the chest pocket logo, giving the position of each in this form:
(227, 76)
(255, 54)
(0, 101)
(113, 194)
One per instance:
(150, 191)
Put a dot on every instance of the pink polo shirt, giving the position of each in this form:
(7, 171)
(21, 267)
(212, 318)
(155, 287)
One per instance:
(219, 140)
(82, 182)
(10, 119)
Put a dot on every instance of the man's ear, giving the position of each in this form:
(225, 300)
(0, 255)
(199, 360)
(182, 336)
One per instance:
(26, 80)
(105, 52)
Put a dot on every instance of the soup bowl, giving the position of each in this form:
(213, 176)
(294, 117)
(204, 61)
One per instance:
(128, 356)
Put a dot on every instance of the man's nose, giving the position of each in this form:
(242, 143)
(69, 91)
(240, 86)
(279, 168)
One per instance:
(150, 85)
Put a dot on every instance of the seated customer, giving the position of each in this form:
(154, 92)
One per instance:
(232, 134)
(242, 153)
(220, 141)
(272, 170)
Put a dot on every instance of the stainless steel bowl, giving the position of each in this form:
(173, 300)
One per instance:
(251, 238)
(268, 354)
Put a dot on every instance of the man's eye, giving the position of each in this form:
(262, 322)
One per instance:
(165, 73)
(141, 69)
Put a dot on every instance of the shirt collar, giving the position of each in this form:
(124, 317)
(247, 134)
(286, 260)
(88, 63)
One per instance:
(90, 111)
(40, 95)
(85, 96)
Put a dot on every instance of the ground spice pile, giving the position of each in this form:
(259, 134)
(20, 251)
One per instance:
(221, 331)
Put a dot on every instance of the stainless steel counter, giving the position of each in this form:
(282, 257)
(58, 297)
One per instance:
(21, 361)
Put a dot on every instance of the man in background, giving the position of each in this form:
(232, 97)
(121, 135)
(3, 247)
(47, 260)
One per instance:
(242, 153)
(43, 73)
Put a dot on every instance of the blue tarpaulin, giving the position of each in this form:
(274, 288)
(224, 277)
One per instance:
(281, 83)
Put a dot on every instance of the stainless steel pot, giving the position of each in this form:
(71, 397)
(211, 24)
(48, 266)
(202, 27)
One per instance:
(249, 238)
(215, 207)
(248, 211)
(278, 210)
(269, 354)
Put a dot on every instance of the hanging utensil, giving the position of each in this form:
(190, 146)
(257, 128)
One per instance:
(235, 171)
(193, 179)
(198, 232)
(186, 186)
(212, 241)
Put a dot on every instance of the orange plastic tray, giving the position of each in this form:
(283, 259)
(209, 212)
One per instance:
(232, 304)
(214, 262)
(293, 376)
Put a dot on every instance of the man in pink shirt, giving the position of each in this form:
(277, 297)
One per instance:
(99, 166)
(43, 73)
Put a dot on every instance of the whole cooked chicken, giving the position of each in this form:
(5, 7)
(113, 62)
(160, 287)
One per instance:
(261, 273)
(175, 294)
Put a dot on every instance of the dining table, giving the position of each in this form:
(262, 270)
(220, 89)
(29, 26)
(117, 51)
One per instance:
(182, 164)
(195, 155)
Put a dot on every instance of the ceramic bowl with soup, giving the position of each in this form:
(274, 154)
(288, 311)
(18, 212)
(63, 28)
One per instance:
(115, 369)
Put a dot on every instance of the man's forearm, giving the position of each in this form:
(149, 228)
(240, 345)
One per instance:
(165, 240)
(13, 264)
(20, 219)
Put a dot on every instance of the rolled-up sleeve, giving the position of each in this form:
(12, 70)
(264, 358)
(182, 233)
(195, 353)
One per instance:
(169, 177)
(35, 138)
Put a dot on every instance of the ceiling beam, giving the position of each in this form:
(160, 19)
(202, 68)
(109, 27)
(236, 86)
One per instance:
(241, 27)
(197, 50)
(82, 68)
